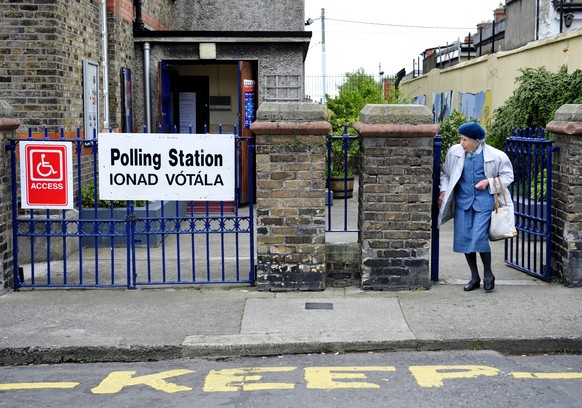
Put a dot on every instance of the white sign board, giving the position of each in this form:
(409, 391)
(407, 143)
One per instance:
(181, 167)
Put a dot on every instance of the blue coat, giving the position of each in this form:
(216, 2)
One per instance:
(496, 163)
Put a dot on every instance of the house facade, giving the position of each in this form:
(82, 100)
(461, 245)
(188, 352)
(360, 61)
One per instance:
(126, 64)
(528, 21)
(514, 24)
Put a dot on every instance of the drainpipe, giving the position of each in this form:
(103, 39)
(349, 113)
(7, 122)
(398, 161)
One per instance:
(561, 16)
(146, 65)
(105, 66)
(460, 50)
(323, 100)
(138, 25)
(537, 36)
(493, 38)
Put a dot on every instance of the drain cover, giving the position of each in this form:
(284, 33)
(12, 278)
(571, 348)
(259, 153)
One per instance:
(313, 305)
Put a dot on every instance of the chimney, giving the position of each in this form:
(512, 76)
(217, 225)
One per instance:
(499, 13)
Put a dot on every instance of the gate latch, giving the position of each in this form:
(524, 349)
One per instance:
(131, 217)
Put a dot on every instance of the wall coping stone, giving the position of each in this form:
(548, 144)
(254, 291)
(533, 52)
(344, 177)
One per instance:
(396, 114)
(290, 112)
(569, 113)
(396, 130)
(396, 121)
(291, 128)
(9, 124)
(290, 118)
(567, 121)
(565, 128)
(6, 110)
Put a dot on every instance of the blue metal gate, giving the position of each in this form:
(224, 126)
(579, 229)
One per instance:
(341, 183)
(531, 155)
(127, 244)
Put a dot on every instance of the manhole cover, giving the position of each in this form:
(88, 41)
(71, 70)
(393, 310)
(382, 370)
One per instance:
(313, 305)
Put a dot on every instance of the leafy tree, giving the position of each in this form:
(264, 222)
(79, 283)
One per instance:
(358, 90)
(534, 102)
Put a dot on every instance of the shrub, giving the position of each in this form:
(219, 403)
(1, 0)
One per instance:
(88, 199)
(535, 101)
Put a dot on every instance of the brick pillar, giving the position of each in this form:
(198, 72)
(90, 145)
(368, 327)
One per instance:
(8, 126)
(395, 195)
(290, 156)
(566, 192)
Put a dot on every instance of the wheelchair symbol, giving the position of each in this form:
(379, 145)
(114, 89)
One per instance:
(45, 165)
(45, 169)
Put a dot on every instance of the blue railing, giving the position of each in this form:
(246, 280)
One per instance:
(435, 236)
(341, 182)
(531, 155)
(128, 246)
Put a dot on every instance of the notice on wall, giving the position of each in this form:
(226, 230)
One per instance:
(90, 98)
(249, 93)
(187, 103)
(181, 167)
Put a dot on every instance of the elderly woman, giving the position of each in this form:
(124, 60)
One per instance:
(467, 195)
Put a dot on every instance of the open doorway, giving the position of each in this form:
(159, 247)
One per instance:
(206, 96)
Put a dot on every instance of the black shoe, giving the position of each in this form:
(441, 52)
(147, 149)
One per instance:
(472, 285)
(489, 285)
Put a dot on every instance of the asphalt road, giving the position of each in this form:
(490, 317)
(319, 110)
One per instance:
(399, 379)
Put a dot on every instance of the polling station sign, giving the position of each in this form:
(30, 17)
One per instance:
(46, 175)
(157, 166)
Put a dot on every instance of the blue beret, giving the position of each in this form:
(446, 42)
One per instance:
(472, 130)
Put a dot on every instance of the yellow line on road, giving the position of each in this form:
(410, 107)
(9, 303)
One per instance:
(37, 386)
(547, 376)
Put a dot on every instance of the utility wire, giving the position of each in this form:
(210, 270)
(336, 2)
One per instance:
(399, 25)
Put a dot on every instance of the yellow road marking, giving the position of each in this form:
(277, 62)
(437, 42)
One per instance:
(547, 376)
(117, 380)
(237, 379)
(37, 386)
(325, 377)
(433, 376)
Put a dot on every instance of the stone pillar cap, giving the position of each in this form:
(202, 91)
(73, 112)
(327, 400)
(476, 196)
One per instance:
(567, 121)
(396, 114)
(290, 112)
(7, 121)
(569, 113)
(5, 109)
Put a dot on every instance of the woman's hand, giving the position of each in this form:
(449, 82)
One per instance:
(482, 185)
(441, 198)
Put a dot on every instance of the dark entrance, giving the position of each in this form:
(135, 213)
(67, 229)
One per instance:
(191, 96)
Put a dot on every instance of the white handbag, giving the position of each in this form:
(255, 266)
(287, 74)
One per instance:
(502, 218)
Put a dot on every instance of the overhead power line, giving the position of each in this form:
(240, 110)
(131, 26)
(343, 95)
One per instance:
(399, 25)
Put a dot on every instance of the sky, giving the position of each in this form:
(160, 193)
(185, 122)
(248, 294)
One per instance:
(396, 34)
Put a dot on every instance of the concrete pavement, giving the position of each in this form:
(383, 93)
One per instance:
(522, 315)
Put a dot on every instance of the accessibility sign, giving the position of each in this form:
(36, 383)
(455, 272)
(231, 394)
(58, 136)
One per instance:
(46, 175)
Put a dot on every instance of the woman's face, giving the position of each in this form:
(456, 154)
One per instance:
(469, 145)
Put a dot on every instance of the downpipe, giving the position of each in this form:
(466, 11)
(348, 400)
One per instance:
(147, 82)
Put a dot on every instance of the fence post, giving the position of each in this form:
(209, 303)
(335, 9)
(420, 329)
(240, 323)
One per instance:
(8, 126)
(395, 195)
(566, 191)
(290, 157)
